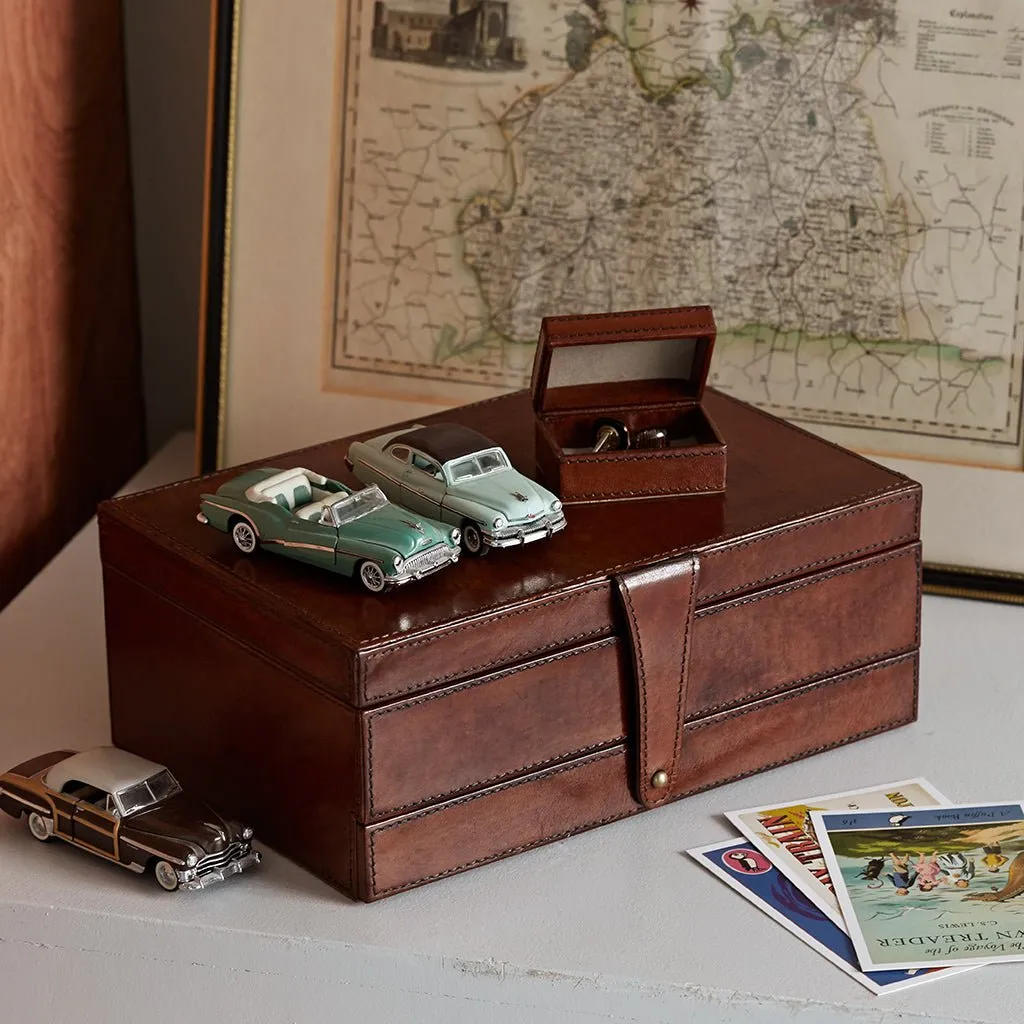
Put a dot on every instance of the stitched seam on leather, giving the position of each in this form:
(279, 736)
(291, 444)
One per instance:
(643, 783)
(899, 480)
(582, 318)
(306, 620)
(785, 531)
(591, 748)
(477, 623)
(592, 495)
(471, 684)
(493, 677)
(469, 799)
(824, 516)
(492, 664)
(842, 570)
(837, 678)
(602, 458)
(509, 852)
(892, 652)
(683, 667)
(823, 676)
(521, 611)
(885, 727)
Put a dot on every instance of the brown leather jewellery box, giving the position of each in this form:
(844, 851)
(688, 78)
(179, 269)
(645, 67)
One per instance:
(643, 369)
(650, 650)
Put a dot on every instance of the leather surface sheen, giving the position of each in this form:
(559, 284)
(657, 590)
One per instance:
(659, 606)
(385, 741)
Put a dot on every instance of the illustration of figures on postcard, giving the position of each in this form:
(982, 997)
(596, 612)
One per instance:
(929, 887)
(784, 833)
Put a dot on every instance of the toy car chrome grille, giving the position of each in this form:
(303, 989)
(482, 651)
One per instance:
(218, 861)
(424, 561)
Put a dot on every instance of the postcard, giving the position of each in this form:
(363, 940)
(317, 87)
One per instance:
(931, 886)
(753, 876)
(783, 831)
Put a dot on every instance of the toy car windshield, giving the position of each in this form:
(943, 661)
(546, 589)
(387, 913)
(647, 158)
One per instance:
(357, 504)
(153, 790)
(477, 465)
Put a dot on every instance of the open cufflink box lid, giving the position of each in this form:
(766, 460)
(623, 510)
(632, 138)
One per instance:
(645, 369)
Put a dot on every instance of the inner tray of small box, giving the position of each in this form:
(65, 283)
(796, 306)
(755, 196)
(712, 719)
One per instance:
(575, 432)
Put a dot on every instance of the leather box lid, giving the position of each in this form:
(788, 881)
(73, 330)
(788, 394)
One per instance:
(795, 504)
(605, 360)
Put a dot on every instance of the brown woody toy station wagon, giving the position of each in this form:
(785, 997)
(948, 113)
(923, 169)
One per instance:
(130, 811)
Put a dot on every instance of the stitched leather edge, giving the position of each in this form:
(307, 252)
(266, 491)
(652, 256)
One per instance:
(638, 652)
(684, 673)
(884, 727)
(371, 717)
(591, 748)
(870, 659)
(380, 829)
(837, 678)
(312, 622)
(633, 456)
(698, 612)
(898, 481)
(797, 527)
(487, 621)
(582, 318)
(842, 570)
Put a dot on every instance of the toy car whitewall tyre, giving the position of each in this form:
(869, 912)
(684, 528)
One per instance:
(40, 827)
(372, 577)
(244, 537)
(472, 539)
(166, 876)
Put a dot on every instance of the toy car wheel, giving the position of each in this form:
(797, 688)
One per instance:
(473, 540)
(166, 876)
(40, 827)
(372, 577)
(244, 537)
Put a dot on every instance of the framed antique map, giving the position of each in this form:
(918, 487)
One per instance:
(401, 189)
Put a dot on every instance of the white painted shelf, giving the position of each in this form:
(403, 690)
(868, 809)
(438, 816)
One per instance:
(614, 925)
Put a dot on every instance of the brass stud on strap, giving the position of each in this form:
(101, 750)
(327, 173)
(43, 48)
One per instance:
(659, 780)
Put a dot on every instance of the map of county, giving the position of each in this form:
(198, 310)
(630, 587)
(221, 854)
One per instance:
(843, 180)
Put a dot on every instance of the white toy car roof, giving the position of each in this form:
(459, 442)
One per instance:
(106, 768)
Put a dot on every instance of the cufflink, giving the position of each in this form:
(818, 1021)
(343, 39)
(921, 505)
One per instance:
(612, 435)
(652, 437)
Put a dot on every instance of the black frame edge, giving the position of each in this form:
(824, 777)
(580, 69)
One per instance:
(954, 581)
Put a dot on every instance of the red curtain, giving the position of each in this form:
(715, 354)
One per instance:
(71, 426)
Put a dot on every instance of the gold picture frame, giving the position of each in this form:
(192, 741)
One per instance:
(274, 161)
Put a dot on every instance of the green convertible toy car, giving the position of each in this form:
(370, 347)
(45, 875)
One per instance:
(309, 517)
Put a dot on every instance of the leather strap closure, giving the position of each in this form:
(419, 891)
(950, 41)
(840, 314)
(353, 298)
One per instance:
(659, 604)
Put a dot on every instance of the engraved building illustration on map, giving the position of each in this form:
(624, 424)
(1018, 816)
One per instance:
(472, 34)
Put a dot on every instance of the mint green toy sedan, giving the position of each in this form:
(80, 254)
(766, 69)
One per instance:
(457, 475)
(309, 517)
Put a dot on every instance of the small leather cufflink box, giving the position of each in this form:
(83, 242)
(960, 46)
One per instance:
(644, 371)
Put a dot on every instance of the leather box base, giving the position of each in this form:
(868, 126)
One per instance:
(635, 658)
